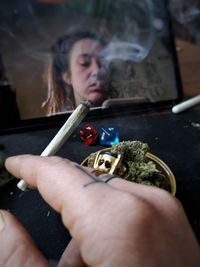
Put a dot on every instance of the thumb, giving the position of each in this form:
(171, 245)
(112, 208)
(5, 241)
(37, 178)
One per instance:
(16, 246)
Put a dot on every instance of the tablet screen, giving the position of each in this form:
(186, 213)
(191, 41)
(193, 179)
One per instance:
(55, 53)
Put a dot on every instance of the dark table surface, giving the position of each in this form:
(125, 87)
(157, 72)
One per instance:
(171, 137)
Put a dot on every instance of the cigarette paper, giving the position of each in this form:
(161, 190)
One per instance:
(63, 134)
(186, 104)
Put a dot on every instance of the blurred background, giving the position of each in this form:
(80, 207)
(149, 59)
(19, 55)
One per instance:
(186, 25)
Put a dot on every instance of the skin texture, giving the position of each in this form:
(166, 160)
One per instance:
(88, 75)
(118, 223)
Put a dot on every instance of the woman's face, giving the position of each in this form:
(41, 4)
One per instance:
(88, 76)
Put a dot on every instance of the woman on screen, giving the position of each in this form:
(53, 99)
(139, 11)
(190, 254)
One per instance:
(76, 72)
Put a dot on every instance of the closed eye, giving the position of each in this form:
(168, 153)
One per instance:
(85, 60)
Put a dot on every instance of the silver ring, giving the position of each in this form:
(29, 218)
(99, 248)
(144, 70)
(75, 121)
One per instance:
(107, 177)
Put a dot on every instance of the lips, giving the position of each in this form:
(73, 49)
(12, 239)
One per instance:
(95, 86)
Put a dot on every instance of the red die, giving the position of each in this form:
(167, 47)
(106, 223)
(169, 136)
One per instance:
(89, 134)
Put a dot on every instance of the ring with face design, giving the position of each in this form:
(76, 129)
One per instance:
(107, 162)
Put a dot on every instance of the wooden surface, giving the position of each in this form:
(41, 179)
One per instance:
(189, 63)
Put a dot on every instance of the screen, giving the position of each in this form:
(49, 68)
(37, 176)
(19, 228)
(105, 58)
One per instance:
(55, 53)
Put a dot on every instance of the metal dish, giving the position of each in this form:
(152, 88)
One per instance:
(159, 164)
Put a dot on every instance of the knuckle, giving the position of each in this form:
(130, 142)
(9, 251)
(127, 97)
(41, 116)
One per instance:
(139, 208)
(141, 215)
(164, 203)
(167, 200)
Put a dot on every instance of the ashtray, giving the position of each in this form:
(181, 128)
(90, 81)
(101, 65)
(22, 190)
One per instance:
(132, 161)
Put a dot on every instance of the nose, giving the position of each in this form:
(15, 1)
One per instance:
(95, 67)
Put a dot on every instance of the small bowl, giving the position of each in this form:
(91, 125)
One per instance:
(160, 166)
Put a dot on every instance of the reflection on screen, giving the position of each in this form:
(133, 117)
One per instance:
(56, 53)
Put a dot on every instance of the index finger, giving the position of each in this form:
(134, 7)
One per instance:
(63, 184)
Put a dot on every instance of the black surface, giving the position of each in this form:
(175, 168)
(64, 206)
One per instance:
(170, 137)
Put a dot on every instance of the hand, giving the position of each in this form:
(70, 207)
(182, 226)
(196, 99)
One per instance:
(119, 223)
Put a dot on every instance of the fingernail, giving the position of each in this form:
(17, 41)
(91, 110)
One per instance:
(2, 221)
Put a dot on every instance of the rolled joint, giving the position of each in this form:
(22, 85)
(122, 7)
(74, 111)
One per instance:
(87, 103)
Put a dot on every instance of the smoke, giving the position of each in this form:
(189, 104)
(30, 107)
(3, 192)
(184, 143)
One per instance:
(125, 51)
(134, 38)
